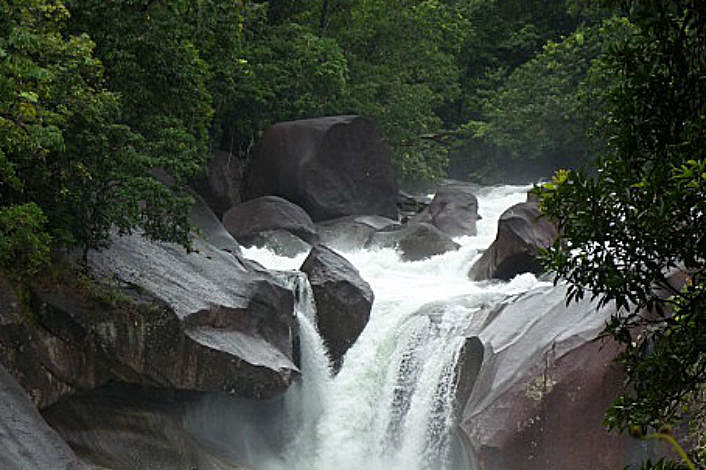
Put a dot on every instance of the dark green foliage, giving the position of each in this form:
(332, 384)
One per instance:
(402, 68)
(24, 244)
(72, 169)
(391, 61)
(288, 73)
(644, 213)
(522, 63)
(152, 63)
(543, 110)
(501, 36)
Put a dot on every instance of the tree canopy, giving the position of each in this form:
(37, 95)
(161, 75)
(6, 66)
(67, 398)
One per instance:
(641, 217)
(97, 98)
(72, 168)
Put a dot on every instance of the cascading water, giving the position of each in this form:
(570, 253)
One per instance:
(390, 405)
(304, 401)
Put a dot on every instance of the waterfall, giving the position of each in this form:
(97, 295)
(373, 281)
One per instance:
(387, 408)
(304, 401)
(391, 404)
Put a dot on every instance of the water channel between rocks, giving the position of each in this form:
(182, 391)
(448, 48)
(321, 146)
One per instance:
(391, 404)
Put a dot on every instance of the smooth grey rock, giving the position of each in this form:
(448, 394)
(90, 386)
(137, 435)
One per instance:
(119, 427)
(414, 241)
(352, 232)
(539, 398)
(521, 232)
(470, 361)
(210, 227)
(454, 211)
(235, 318)
(26, 440)
(246, 220)
(423, 217)
(281, 242)
(343, 300)
(331, 166)
(410, 204)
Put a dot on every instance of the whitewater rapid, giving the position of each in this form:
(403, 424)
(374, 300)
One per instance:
(390, 406)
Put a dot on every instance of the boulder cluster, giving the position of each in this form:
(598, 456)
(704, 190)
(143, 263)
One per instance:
(165, 326)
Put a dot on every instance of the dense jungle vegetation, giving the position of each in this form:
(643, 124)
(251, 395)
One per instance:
(94, 95)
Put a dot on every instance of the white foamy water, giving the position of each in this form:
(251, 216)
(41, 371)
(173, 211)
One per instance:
(390, 405)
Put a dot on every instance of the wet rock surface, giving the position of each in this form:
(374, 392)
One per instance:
(410, 204)
(521, 232)
(343, 300)
(159, 316)
(352, 232)
(233, 325)
(415, 241)
(331, 166)
(543, 387)
(26, 440)
(120, 427)
(454, 210)
(467, 369)
(210, 228)
(280, 242)
(248, 219)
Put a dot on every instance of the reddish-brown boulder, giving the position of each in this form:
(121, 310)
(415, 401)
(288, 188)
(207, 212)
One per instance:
(539, 399)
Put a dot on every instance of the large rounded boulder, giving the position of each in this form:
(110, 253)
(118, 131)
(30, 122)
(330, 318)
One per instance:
(248, 221)
(202, 321)
(343, 300)
(454, 211)
(522, 231)
(330, 166)
(539, 398)
(414, 241)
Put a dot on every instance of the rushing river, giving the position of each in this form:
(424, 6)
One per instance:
(390, 406)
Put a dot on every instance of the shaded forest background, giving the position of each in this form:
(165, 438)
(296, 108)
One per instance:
(95, 94)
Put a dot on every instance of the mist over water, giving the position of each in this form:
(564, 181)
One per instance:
(390, 405)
